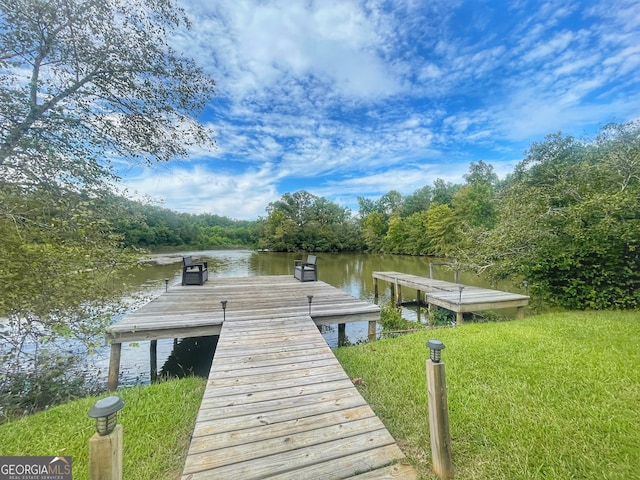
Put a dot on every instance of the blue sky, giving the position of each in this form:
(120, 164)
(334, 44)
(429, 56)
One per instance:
(356, 98)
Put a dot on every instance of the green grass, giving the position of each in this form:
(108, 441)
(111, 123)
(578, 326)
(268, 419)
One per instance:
(157, 421)
(555, 396)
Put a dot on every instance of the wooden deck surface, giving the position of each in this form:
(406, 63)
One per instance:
(449, 296)
(195, 310)
(279, 405)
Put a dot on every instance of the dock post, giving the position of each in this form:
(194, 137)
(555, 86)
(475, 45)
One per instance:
(372, 331)
(438, 412)
(392, 287)
(459, 318)
(153, 360)
(341, 334)
(431, 270)
(375, 288)
(520, 313)
(114, 367)
(398, 294)
(418, 299)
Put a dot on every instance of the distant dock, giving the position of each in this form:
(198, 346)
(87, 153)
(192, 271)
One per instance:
(455, 297)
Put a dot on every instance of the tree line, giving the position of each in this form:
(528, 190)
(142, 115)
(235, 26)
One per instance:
(567, 220)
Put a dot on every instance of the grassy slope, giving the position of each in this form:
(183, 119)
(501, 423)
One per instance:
(157, 421)
(553, 396)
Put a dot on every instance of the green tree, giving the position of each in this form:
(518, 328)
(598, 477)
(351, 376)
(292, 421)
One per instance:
(569, 222)
(417, 242)
(440, 227)
(443, 192)
(418, 201)
(481, 173)
(301, 221)
(83, 84)
(374, 229)
(86, 81)
(396, 237)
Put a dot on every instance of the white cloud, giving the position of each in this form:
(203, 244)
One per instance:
(345, 98)
(199, 190)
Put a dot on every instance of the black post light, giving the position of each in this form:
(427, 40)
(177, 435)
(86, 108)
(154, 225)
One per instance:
(526, 286)
(310, 299)
(166, 285)
(435, 350)
(224, 309)
(460, 288)
(105, 412)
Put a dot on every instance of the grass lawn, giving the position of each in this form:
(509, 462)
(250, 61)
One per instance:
(555, 396)
(157, 421)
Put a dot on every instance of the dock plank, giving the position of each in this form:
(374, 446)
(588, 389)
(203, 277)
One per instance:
(264, 415)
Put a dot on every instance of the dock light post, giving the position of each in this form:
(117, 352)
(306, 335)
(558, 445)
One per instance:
(105, 446)
(166, 285)
(224, 309)
(460, 288)
(310, 299)
(526, 286)
(438, 412)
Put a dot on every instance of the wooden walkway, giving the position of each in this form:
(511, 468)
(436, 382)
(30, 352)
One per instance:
(455, 297)
(279, 405)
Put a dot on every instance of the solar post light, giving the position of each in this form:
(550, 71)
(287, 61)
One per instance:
(309, 299)
(435, 350)
(166, 285)
(105, 412)
(224, 309)
(105, 446)
(526, 286)
(438, 412)
(460, 288)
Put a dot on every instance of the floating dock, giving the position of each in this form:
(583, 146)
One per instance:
(455, 297)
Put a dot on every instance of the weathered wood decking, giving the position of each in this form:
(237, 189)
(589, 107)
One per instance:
(279, 405)
(452, 296)
(195, 310)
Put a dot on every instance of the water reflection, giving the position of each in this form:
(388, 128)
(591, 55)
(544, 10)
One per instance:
(190, 356)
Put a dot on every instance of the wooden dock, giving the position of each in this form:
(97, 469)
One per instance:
(277, 403)
(196, 310)
(455, 297)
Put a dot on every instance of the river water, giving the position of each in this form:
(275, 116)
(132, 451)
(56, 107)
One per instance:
(350, 272)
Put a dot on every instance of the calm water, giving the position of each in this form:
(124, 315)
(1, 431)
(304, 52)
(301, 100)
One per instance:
(351, 273)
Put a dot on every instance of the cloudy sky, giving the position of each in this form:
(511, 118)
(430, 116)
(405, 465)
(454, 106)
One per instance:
(355, 98)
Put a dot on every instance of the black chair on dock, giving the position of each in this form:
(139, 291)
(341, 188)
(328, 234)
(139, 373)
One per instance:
(306, 271)
(194, 273)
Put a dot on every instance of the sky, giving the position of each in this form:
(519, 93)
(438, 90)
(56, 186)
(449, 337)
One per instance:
(348, 99)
